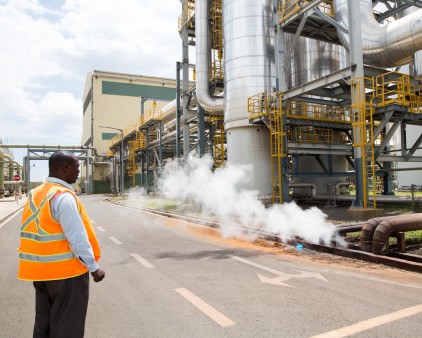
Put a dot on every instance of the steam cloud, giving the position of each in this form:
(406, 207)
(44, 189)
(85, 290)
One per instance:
(220, 194)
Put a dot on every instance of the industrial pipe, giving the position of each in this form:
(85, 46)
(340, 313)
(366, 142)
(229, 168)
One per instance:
(392, 226)
(368, 230)
(383, 45)
(212, 105)
(339, 185)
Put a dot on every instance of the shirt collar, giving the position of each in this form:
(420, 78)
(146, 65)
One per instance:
(58, 181)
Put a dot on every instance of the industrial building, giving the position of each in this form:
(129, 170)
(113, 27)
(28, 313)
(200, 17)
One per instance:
(115, 101)
(314, 103)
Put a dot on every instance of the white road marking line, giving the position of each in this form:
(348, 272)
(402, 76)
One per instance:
(143, 261)
(92, 221)
(216, 316)
(371, 323)
(115, 240)
(101, 229)
(9, 219)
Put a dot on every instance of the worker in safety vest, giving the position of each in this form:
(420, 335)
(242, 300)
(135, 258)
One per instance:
(58, 250)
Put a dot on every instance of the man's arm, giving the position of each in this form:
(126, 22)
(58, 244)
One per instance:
(65, 211)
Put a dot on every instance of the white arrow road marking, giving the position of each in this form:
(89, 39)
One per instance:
(115, 240)
(101, 229)
(273, 280)
(281, 276)
(143, 261)
(216, 316)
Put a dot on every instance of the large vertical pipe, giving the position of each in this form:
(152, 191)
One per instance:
(201, 131)
(248, 70)
(203, 48)
(11, 186)
(178, 94)
(185, 82)
(1, 175)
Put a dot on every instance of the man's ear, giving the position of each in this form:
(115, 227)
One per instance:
(65, 167)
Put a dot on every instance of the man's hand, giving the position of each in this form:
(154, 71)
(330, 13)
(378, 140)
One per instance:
(98, 275)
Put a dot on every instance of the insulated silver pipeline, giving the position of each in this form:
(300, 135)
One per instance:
(417, 57)
(249, 69)
(383, 45)
(202, 34)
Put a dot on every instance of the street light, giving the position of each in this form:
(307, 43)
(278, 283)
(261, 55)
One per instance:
(121, 157)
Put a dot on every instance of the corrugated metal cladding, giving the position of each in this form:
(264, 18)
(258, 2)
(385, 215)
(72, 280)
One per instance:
(87, 100)
(107, 136)
(130, 89)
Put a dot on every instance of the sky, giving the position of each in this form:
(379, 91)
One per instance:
(49, 46)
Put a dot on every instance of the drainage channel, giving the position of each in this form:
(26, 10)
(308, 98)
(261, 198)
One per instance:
(397, 260)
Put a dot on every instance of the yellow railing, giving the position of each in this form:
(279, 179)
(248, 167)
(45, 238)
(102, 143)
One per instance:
(289, 8)
(395, 88)
(259, 106)
(219, 148)
(316, 112)
(189, 13)
(153, 114)
(309, 134)
(277, 143)
(116, 139)
(217, 70)
(217, 41)
(110, 153)
(132, 127)
(363, 124)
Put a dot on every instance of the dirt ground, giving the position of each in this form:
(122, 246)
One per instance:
(290, 253)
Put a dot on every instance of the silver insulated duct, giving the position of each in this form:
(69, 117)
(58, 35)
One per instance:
(202, 32)
(383, 45)
(248, 70)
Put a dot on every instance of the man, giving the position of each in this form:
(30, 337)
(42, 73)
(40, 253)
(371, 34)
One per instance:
(58, 248)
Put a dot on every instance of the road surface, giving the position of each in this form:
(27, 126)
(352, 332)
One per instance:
(170, 278)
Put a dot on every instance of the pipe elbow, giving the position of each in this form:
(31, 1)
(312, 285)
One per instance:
(367, 234)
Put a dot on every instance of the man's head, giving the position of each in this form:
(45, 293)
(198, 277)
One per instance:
(64, 165)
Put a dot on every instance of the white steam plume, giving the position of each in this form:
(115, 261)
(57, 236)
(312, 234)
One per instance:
(220, 193)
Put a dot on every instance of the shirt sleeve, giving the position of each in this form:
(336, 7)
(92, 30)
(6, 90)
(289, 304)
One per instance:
(65, 212)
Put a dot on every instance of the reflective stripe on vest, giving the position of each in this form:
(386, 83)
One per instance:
(36, 212)
(46, 259)
(43, 238)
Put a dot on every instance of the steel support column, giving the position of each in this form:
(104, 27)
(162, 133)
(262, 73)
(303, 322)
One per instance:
(356, 64)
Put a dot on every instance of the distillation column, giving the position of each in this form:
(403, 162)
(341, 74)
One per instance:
(248, 69)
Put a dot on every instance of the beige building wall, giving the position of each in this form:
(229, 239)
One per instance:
(114, 100)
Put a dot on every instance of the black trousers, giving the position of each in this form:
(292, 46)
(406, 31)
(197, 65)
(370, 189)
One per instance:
(60, 307)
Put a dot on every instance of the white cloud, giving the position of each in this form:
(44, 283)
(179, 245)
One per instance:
(44, 48)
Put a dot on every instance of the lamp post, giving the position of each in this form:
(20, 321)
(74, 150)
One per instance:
(121, 158)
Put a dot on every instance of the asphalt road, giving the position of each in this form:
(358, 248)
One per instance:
(168, 278)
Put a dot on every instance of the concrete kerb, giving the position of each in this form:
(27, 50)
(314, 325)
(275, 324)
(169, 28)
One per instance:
(9, 207)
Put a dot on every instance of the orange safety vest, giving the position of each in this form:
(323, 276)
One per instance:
(44, 252)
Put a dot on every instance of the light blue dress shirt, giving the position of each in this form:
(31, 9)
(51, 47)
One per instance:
(64, 211)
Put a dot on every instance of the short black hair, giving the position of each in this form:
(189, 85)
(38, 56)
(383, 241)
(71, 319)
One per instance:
(58, 158)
